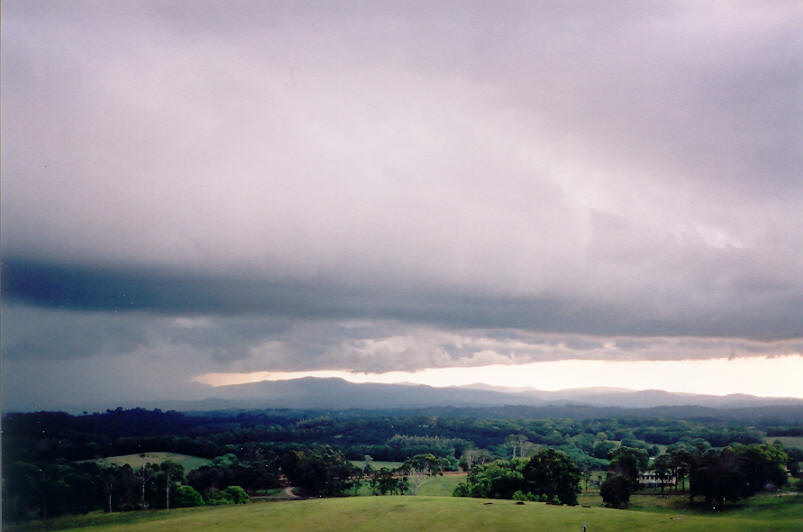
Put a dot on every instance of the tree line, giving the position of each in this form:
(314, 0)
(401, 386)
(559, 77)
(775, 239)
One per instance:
(48, 456)
(391, 436)
(52, 489)
(717, 475)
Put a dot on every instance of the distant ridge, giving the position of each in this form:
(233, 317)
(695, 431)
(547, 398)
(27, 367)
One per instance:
(311, 392)
(334, 393)
(329, 394)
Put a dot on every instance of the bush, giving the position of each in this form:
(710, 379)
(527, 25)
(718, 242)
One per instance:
(521, 496)
(615, 491)
(187, 496)
(461, 490)
(554, 474)
(230, 495)
(236, 494)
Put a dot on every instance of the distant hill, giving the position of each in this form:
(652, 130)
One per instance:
(652, 398)
(338, 394)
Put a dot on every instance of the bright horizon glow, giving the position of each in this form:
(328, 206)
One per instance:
(761, 376)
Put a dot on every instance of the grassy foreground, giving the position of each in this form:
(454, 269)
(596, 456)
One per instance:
(438, 513)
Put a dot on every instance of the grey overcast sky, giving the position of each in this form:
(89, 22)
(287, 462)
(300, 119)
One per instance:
(195, 187)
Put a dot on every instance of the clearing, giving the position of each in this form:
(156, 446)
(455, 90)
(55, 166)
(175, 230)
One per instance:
(137, 460)
(433, 513)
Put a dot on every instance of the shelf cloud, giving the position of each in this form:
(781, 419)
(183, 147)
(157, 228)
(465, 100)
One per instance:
(379, 186)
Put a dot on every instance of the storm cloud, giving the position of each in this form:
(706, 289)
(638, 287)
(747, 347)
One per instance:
(471, 183)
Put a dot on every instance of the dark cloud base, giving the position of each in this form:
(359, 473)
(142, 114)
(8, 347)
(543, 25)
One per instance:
(81, 287)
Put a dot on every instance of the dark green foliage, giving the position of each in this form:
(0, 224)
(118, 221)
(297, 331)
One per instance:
(762, 465)
(602, 449)
(144, 475)
(228, 470)
(42, 475)
(43, 490)
(320, 471)
(229, 495)
(215, 497)
(237, 494)
(497, 480)
(388, 482)
(616, 491)
(553, 474)
(627, 462)
(737, 472)
(186, 496)
(119, 487)
(793, 462)
(716, 476)
(168, 476)
(663, 469)
(549, 475)
(682, 460)
(49, 490)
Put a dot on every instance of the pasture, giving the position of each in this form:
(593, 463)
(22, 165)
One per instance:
(138, 460)
(790, 442)
(762, 513)
(438, 486)
(441, 486)
(377, 464)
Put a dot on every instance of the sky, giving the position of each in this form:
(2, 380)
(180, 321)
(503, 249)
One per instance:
(525, 193)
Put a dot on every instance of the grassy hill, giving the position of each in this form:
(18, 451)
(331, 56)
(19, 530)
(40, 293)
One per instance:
(404, 514)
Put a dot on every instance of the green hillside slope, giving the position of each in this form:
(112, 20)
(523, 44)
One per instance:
(404, 514)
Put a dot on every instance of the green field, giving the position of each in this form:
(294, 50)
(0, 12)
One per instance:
(766, 513)
(441, 486)
(377, 464)
(787, 441)
(137, 460)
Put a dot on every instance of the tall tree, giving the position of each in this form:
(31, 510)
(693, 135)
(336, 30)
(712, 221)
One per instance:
(761, 464)
(716, 476)
(144, 475)
(517, 443)
(615, 491)
(499, 479)
(628, 461)
(472, 457)
(384, 481)
(170, 473)
(420, 467)
(663, 469)
(108, 480)
(320, 471)
(682, 459)
(553, 474)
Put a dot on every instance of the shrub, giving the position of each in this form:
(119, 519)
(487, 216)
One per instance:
(187, 496)
(236, 494)
(615, 491)
(521, 496)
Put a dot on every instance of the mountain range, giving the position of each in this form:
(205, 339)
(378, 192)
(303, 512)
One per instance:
(338, 394)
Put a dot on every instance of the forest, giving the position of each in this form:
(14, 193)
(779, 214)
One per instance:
(52, 466)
